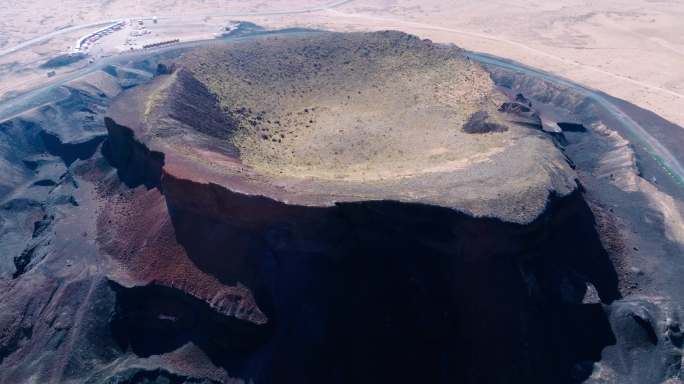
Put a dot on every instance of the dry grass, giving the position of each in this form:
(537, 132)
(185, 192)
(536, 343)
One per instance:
(351, 107)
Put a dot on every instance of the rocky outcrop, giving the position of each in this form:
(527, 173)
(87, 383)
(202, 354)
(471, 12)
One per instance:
(134, 162)
(135, 229)
(154, 319)
(70, 152)
(520, 113)
(478, 123)
(572, 127)
(37, 248)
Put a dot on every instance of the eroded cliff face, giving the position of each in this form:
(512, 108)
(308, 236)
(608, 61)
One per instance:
(638, 214)
(381, 291)
(135, 163)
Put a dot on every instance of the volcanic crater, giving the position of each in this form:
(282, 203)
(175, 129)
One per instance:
(327, 117)
(313, 207)
(281, 206)
(347, 204)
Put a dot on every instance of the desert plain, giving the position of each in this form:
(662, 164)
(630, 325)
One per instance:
(632, 49)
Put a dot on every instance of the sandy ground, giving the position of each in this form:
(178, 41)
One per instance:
(631, 49)
(25, 19)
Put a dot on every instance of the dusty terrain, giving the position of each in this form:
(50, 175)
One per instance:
(631, 49)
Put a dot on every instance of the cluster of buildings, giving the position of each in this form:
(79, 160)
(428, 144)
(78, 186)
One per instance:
(86, 41)
(139, 30)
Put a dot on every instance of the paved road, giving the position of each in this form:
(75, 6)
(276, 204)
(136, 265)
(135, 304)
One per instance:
(50, 35)
(640, 136)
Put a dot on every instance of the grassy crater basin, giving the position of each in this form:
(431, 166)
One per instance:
(320, 118)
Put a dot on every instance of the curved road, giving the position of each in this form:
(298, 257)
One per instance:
(51, 91)
(485, 36)
(655, 149)
(50, 35)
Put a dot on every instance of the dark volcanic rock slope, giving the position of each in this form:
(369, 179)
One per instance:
(636, 203)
